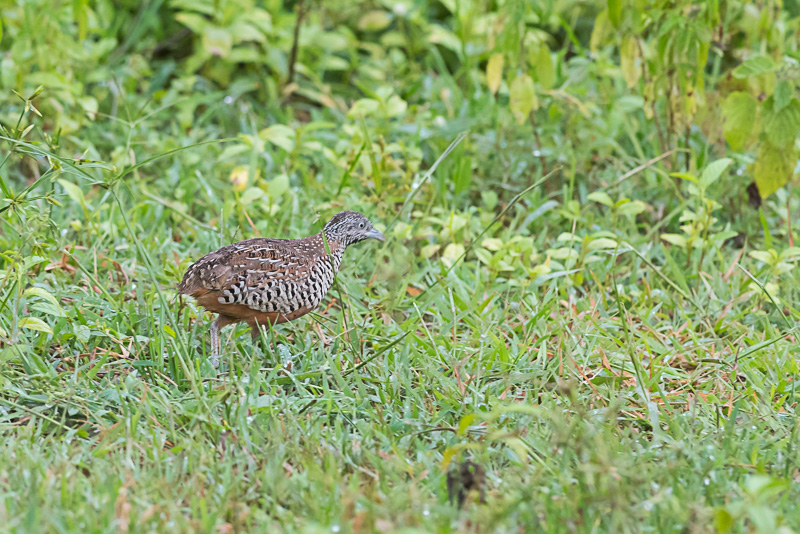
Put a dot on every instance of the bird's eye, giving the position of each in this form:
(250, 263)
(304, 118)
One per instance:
(361, 225)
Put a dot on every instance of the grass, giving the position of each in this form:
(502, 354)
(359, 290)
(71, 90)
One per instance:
(604, 378)
(617, 406)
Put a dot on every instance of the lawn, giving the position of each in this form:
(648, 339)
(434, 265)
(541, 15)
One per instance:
(587, 294)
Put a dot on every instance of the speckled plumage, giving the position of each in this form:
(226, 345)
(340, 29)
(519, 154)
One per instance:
(271, 281)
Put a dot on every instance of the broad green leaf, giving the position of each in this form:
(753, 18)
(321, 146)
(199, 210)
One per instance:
(602, 243)
(738, 115)
(242, 31)
(770, 257)
(563, 253)
(567, 237)
(773, 168)
(492, 243)
(489, 198)
(545, 70)
(790, 254)
(243, 54)
(41, 293)
(451, 253)
(217, 41)
(251, 194)
(628, 53)
(765, 486)
(34, 323)
(753, 67)
(600, 197)
(494, 72)
(781, 126)
(74, 192)
(723, 521)
(483, 255)
(279, 135)
(713, 171)
(763, 518)
(615, 12)
(396, 106)
(675, 239)
(523, 97)
(634, 207)
(374, 21)
(194, 22)
(429, 250)
(363, 107)
(782, 95)
(600, 31)
(278, 185)
(48, 308)
(441, 36)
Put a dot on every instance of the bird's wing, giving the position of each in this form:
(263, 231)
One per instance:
(262, 274)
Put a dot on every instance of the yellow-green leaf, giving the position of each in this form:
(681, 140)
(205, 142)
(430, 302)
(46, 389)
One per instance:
(599, 32)
(713, 171)
(601, 197)
(773, 167)
(494, 72)
(723, 520)
(615, 12)
(279, 135)
(675, 239)
(194, 22)
(41, 293)
(628, 53)
(34, 323)
(451, 253)
(74, 192)
(770, 257)
(753, 67)
(782, 95)
(782, 126)
(738, 115)
(601, 243)
(492, 243)
(278, 185)
(217, 41)
(545, 70)
(429, 250)
(522, 97)
(374, 21)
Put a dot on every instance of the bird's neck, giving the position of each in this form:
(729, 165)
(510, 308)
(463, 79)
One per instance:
(336, 248)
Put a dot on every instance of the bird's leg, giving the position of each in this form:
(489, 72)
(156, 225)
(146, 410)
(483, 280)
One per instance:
(215, 344)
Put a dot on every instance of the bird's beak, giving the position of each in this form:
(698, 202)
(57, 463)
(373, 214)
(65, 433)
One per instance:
(374, 234)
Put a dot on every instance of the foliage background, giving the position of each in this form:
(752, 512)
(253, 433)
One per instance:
(592, 295)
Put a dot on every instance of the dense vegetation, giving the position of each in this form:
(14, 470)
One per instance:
(589, 286)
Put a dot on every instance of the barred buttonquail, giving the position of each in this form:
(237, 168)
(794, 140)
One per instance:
(271, 281)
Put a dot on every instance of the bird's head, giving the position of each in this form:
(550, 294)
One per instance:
(348, 227)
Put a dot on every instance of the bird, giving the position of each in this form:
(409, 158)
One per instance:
(263, 282)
